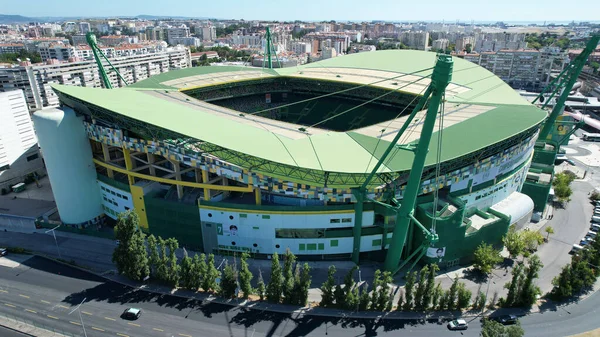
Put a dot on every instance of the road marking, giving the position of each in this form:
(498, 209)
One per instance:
(122, 335)
(45, 302)
(52, 317)
(87, 313)
(98, 329)
(24, 296)
(62, 306)
(156, 329)
(110, 319)
(3, 291)
(31, 311)
(74, 323)
(9, 305)
(134, 324)
(184, 335)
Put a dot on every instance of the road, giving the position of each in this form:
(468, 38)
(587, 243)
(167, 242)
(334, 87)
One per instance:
(10, 333)
(45, 292)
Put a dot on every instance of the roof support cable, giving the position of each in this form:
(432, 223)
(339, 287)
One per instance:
(438, 161)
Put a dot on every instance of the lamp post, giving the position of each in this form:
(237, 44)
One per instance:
(80, 318)
(56, 242)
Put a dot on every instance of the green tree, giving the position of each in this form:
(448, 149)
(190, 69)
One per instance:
(513, 286)
(513, 241)
(196, 281)
(481, 299)
(130, 256)
(464, 297)
(162, 270)
(349, 301)
(245, 276)
(420, 290)
(187, 277)
(260, 287)
(549, 230)
(305, 281)
(275, 286)
(452, 296)
(492, 328)
(201, 269)
(289, 260)
(562, 287)
(209, 281)
(486, 257)
(437, 295)
(444, 299)
(429, 286)
(327, 289)
(400, 302)
(365, 299)
(532, 240)
(468, 48)
(340, 297)
(408, 291)
(228, 282)
(154, 258)
(529, 289)
(172, 266)
(383, 298)
(595, 66)
(375, 293)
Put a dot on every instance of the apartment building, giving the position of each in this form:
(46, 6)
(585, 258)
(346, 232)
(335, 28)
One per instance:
(11, 47)
(177, 32)
(56, 51)
(416, 40)
(36, 80)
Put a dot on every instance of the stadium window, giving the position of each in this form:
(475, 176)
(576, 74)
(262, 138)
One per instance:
(126, 208)
(321, 246)
(32, 157)
(120, 196)
(376, 243)
(266, 217)
(302, 247)
(243, 215)
(333, 243)
(334, 220)
(102, 188)
(311, 246)
(346, 220)
(105, 199)
(113, 193)
(125, 197)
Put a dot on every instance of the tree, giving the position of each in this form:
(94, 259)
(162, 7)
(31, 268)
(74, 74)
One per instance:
(162, 271)
(481, 299)
(452, 295)
(549, 230)
(430, 286)
(130, 256)
(408, 291)
(186, 272)
(154, 258)
(196, 281)
(513, 241)
(420, 291)
(339, 296)
(529, 290)
(375, 293)
(513, 286)
(492, 328)
(464, 296)
(400, 301)
(289, 260)
(209, 281)
(383, 298)
(595, 66)
(468, 48)
(327, 288)
(305, 281)
(485, 257)
(245, 276)
(275, 286)
(201, 269)
(437, 295)
(260, 286)
(562, 190)
(350, 302)
(172, 266)
(364, 300)
(228, 282)
(532, 240)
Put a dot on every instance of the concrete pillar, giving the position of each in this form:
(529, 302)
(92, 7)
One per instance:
(206, 190)
(151, 159)
(257, 196)
(128, 165)
(106, 155)
(177, 169)
(198, 175)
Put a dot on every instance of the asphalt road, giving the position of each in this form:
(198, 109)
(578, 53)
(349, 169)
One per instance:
(4, 332)
(45, 292)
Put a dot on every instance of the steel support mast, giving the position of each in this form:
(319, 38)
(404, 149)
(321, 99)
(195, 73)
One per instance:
(442, 74)
(572, 72)
(91, 40)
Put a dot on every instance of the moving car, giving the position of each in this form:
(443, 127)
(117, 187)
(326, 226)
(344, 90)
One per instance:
(131, 313)
(3, 251)
(505, 319)
(458, 324)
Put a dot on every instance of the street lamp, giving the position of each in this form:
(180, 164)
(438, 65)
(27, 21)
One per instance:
(56, 242)
(80, 318)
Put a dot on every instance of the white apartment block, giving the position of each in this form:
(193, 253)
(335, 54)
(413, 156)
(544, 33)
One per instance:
(251, 41)
(19, 152)
(209, 33)
(416, 40)
(85, 27)
(440, 44)
(113, 40)
(177, 32)
(56, 51)
(11, 47)
(36, 80)
(301, 47)
(187, 41)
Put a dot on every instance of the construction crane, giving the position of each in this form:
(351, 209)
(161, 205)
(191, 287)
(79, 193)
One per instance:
(404, 209)
(565, 82)
(91, 40)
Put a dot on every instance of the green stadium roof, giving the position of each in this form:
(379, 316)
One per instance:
(345, 152)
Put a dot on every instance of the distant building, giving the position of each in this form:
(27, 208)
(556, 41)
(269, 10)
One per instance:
(19, 151)
(11, 47)
(70, 27)
(209, 55)
(328, 53)
(440, 44)
(301, 48)
(79, 39)
(113, 40)
(416, 40)
(177, 32)
(84, 27)
(56, 51)
(209, 33)
(155, 33)
(189, 41)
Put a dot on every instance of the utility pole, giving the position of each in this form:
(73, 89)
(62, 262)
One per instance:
(80, 318)
(56, 242)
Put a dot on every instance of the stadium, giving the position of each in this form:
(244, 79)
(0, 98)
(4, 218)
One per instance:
(230, 159)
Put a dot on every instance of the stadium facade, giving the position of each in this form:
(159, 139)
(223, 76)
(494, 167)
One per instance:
(230, 159)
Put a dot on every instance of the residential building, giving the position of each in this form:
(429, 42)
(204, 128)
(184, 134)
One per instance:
(301, 47)
(113, 40)
(79, 40)
(440, 44)
(56, 51)
(11, 47)
(416, 40)
(84, 27)
(19, 151)
(328, 53)
(209, 33)
(187, 41)
(70, 27)
(177, 32)
(155, 33)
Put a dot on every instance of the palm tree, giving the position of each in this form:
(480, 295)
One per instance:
(549, 230)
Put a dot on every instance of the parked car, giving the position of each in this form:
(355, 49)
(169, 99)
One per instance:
(505, 319)
(458, 324)
(576, 248)
(3, 251)
(131, 313)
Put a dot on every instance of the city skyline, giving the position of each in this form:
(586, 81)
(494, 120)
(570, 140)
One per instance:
(313, 10)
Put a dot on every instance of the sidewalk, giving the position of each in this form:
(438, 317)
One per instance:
(15, 324)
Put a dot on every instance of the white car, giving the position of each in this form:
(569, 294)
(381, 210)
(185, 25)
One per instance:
(458, 324)
(3, 251)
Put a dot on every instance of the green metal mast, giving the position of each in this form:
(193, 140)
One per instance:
(91, 40)
(269, 60)
(574, 69)
(442, 74)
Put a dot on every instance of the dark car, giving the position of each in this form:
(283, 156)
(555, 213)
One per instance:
(505, 319)
(131, 313)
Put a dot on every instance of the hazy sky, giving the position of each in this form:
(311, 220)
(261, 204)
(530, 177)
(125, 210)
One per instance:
(432, 10)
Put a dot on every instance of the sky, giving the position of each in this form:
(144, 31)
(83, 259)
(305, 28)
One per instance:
(315, 10)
